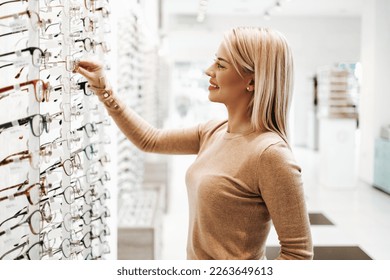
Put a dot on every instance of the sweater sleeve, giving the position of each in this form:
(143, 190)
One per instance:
(150, 139)
(282, 190)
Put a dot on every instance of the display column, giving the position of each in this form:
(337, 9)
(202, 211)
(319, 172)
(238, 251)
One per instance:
(33, 141)
(66, 124)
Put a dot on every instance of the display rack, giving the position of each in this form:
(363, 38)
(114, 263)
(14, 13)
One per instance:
(54, 179)
(338, 91)
(338, 119)
(130, 89)
(139, 210)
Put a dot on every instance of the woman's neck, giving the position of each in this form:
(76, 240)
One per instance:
(239, 121)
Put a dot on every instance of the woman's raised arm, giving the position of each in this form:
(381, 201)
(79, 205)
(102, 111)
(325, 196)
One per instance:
(136, 129)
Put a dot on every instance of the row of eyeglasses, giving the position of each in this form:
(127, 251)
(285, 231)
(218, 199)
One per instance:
(85, 224)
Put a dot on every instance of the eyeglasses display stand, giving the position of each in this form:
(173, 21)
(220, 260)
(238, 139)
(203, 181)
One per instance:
(54, 161)
(338, 92)
(140, 207)
(140, 227)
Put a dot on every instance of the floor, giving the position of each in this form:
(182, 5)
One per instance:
(346, 223)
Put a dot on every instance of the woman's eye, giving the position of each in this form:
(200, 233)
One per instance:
(219, 65)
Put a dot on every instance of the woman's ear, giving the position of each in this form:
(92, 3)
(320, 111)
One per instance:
(251, 85)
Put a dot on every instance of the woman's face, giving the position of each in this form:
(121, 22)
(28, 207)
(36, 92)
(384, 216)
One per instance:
(226, 85)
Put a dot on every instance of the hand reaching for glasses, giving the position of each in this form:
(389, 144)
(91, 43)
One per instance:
(93, 71)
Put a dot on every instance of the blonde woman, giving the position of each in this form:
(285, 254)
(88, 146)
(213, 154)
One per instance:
(244, 177)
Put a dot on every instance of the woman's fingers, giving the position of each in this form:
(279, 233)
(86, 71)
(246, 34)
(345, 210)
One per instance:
(87, 74)
(88, 68)
(92, 71)
(89, 65)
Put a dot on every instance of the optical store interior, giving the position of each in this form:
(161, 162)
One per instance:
(73, 187)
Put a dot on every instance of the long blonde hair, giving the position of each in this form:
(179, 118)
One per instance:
(266, 54)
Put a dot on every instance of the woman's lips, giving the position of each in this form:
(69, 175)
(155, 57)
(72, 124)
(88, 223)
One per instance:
(213, 86)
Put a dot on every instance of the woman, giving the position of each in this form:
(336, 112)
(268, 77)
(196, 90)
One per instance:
(244, 175)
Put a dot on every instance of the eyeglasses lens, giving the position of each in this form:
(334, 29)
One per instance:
(68, 167)
(37, 125)
(36, 220)
(39, 91)
(69, 195)
(36, 58)
(34, 194)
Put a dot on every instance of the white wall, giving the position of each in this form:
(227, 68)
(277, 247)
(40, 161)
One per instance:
(375, 97)
(316, 41)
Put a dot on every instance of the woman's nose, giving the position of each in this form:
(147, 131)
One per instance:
(209, 71)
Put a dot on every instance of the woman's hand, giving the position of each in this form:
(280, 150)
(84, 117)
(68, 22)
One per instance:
(93, 71)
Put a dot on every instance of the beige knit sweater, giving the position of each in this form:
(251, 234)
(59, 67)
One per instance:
(237, 185)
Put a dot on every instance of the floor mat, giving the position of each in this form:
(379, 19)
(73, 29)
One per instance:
(328, 253)
(319, 219)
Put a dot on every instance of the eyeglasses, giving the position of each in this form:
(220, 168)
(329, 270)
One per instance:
(87, 43)
(71, 112)
(17, 186)
(104, 10)
(104, 159)
(38, 123)
(65, 249)
(104, 45)
(68, 165)
(86, 217)
(32, 253)
(35, 221)
(37, 251)
(100, 235)
(45, 209)
(103, 197)
(102, 180)
(37, 55)
(74, 8)
(90, 4)
(84, 86)
(33, 194)
(70, 63)
(90, 151)
(90, 44)
(85, 240)
(79, 255)
(89, 24)
(16, 253)
(41, 89)
(77, 85)
(69, 194)
(35, 158)
(35, 21)
(98, 252)
(49, 147)
(49, 2)
(12, 1)
(90, 174)
(20, 213)
(91, 128)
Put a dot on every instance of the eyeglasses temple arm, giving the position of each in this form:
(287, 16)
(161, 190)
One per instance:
(14, 32)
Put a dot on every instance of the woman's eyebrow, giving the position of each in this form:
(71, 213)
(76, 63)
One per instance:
(220, 58)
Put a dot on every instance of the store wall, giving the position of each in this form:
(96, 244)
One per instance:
(316, 41)
(375, 97)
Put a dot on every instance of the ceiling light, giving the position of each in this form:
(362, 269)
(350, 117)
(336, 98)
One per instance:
(267, 16)
(200, 17)
(202, 9)
(278, 6)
